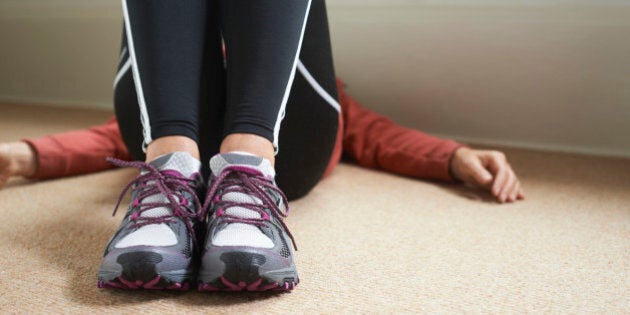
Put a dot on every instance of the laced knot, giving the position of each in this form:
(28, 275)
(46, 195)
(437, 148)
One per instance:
(166, 183)
(245, 180)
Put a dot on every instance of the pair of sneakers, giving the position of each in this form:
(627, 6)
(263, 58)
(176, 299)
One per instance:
(236, 240)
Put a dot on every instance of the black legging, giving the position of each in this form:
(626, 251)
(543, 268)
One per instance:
(186, 89)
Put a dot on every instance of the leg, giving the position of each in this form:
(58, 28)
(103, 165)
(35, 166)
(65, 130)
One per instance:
(165, 45)
(248, 247)
(247, 244)
(263, 40)
(155, 244)
(311, 129)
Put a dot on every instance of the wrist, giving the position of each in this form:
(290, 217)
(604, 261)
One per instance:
(22, 158)
(454, 163)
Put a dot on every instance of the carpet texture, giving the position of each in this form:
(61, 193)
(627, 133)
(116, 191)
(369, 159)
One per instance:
(370, 242)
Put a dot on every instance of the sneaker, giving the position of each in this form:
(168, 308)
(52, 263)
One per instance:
(246, 246)
(154, 247)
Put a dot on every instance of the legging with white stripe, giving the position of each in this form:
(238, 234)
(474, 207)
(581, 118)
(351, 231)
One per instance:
(173, 79)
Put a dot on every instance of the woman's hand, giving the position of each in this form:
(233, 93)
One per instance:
(16, 159)
(487, 169)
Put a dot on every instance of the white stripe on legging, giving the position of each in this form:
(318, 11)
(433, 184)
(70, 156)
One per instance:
(123, 52)
(144, 115)
(276, 129)
(123, 70)
(318, 88)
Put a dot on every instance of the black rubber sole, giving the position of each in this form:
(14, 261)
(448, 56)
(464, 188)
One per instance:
(242, 273)
(139, 272)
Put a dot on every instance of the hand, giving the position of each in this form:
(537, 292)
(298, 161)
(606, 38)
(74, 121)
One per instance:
(16, 159)
(489, 170)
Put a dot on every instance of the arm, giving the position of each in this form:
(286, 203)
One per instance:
(377, 142)
(77, 152)
(374, 141)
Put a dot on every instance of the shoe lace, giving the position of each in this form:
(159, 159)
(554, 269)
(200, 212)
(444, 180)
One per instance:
(251, 182)
(166, 183)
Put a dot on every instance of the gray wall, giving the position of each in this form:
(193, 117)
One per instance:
(542, 74)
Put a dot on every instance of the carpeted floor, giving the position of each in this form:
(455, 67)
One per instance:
(369, 242)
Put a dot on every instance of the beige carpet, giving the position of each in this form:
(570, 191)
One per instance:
(369, 242)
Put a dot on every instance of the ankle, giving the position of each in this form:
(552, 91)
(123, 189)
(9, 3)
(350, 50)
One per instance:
(249, 143)
(170, 144)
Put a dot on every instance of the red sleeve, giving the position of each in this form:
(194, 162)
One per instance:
(377, 142)
(78, 152)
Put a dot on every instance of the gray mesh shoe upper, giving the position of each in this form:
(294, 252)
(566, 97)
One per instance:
(244, 218)
(161, 219)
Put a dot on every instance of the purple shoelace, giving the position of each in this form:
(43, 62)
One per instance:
(250, 182)
(167, 183)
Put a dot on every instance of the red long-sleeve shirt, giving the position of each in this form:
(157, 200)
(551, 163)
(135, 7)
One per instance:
(370, 139)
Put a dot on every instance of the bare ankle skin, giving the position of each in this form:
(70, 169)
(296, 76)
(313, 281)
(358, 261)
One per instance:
(249, 143)
(170, 144)
(16, 159)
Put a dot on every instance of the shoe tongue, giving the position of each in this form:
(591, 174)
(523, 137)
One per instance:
(242, 159)
(181, 162)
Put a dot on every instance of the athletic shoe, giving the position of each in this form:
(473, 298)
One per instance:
(154, 247)
(246, 246)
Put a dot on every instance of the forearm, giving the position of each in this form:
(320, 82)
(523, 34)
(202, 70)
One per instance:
(403, 151)
(77, 152)
(375, 141)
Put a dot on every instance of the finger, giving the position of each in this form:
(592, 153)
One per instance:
(495, 163)
(508, 185)
(517, 192)
(513, 196)
(499, 180)
(479, 174)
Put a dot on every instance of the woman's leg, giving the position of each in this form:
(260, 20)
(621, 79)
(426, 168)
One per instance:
(311, 128)
(211, 98)
(156, 243)
(165, 44)
(258, 95)
(263, 40)
(248, 245)
(126, 105)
